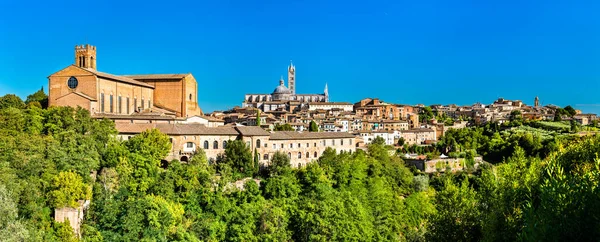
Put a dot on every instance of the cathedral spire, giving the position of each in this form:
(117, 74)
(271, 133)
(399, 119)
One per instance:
(292, 78)
(326, 92)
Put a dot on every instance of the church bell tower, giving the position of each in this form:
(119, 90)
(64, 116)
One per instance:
(85, 56)
(292, 78)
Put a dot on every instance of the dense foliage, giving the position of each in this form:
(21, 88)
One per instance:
(540, 188)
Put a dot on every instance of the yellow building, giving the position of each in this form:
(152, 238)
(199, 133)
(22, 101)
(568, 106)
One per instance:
(81, 84)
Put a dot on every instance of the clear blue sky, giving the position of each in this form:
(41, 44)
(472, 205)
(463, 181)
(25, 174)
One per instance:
(400, 51)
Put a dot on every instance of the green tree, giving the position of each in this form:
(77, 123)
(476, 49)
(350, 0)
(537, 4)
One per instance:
(284, 127)
(378, 141)
(570, 111)
(280, 164)
(258, 117)
(425, 114)
(67, 188)
(39, 97)
(401, 141)
(11, 228)
(458, 216)
(239, 157)
(313, 127)
(11, 100)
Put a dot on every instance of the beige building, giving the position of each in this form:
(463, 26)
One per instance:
(301, 147)
(81, 84)
(418, 136)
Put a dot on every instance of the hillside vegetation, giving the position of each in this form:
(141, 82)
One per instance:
(541, 187)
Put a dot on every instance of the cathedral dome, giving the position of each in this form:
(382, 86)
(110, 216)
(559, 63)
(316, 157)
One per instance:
(281, 89)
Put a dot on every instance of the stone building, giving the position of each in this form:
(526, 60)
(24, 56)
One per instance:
(284, 98)
(301, 147)
(418, 136)
(81, 84)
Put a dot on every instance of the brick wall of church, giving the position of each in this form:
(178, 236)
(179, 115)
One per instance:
(191, 88)
(124, 90)
(168, 94)
(58, 85)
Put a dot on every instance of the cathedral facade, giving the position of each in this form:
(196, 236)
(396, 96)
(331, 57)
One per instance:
(284, 98)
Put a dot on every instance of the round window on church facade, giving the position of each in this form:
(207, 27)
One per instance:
(72, 83)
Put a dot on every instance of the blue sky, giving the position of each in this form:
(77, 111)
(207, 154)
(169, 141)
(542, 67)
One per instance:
(400, 51)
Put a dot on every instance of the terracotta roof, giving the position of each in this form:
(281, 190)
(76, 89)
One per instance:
(293, 135)
(175, 129)
(251, 131)
(329, 103)
(394, 121)
(157, 76)
(417, 130)
(85, 96)
(118, 78)
(135, 117)
(79, 94)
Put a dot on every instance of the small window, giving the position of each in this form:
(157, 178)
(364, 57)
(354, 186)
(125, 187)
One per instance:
(206, 144)
(215, 145)
(127, 105)
(315, 154)
(299, 155)
(274, 146)
(315, 144)
(307, 145)
(143, 107)
(258, 143)
(149, 106)
(224, 144)
(190, 97)
(291, 145)
(266, 157)
(189, 145)
(289, 155)
(282, 146)
(342, 142)
(298, 145)
(307, 155)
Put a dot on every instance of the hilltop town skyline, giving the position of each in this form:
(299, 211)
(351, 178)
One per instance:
(408, 53)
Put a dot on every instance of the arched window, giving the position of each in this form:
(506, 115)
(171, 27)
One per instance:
(206, 144)
(143, 107)
(224, 144)
(215, 145)
(307, 155)
(266, 157)
(258, 143)
(342, 142)
(190, 97)
(289, 155)
(315, 154)
(299, 155)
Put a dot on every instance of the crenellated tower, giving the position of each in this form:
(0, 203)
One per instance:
(292, 78)
(85, 56)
